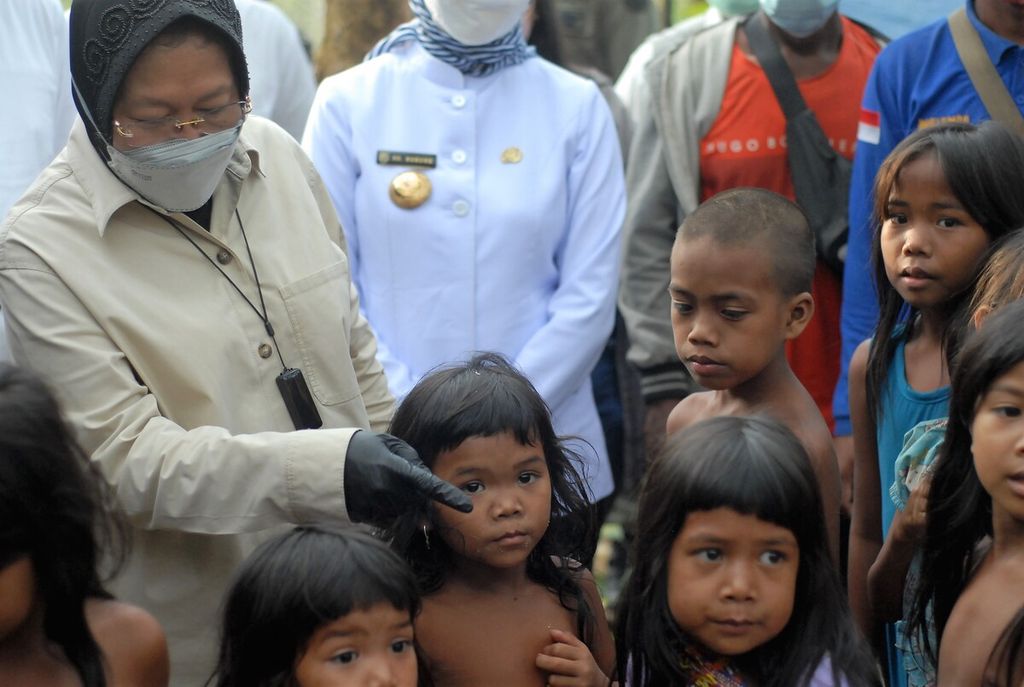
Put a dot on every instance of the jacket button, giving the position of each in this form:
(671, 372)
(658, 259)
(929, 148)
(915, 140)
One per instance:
(223, 257)
(265, 350)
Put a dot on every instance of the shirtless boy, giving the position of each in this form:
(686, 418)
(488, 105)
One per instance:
(742, 266)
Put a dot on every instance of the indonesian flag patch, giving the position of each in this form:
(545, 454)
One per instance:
(868, 127)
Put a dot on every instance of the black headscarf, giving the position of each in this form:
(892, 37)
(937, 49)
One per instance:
(107, 37)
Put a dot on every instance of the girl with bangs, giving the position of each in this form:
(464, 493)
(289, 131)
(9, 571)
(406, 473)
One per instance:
(505, 597)
(733, 583)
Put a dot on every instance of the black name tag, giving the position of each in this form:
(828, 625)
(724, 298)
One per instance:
(391, 157)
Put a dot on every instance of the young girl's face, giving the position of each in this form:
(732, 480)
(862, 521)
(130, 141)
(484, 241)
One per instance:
(372, 647)
(997, 442)
(929, 244)
(511, 491)
(732, 580)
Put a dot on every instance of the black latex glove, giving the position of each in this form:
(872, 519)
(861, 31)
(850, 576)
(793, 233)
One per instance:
(384, 477)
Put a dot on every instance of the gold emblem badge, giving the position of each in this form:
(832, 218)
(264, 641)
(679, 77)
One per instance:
(511, 156)
(410, 189)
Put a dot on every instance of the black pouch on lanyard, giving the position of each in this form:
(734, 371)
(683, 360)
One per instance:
(298, 400)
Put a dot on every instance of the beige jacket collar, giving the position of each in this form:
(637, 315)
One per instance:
(107, 194)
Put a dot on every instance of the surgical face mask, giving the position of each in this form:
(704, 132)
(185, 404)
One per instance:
(476, 22)
(734, 8)
(177, 175)
(799, 18)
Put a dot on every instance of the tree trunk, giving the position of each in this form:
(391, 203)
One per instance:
(353, 27)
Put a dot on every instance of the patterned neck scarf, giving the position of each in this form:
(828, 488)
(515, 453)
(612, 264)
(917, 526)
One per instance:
(704, 670)
(472, 60)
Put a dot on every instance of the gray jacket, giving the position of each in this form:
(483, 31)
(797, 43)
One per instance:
(682, 98)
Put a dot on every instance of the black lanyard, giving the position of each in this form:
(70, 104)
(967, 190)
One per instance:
(290, 382)
(261, 314)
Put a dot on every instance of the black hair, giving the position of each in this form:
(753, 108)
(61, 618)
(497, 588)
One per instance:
(742, 216)
(1005, 667)
(982, 165)
(756, 467)
(57, 510)
(959, 511)
(484, 397)
(292, 585)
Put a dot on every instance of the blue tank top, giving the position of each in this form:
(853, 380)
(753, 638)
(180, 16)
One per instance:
(902, 409)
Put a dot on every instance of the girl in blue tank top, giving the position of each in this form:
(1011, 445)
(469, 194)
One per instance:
(941, 198)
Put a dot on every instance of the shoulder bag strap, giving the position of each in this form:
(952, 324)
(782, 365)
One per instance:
(767, 52)
(987, 82)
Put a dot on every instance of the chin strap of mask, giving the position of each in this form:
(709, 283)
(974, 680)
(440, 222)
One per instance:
(102, 148)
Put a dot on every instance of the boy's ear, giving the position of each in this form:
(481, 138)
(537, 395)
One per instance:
(979, 315)
(800, 309)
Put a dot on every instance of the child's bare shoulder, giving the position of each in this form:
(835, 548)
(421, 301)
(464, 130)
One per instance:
(691, 409)
(977, 620)
(793, 406)
(132, 642)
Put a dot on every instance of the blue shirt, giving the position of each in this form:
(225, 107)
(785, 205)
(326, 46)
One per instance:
(917, 80)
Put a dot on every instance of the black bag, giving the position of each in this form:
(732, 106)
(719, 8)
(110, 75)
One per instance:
(821, 176)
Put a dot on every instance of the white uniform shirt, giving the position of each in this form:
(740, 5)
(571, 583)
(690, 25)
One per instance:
(281, 80)
(515, 257)
(37, 110)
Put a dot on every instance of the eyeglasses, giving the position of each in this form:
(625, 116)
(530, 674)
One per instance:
(143, 132)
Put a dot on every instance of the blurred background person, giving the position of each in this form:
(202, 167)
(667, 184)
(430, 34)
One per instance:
(603, 33)
(280, 72)
(631, 79)
(37, 112)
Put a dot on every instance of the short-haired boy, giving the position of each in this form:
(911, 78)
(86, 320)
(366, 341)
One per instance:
(742, 266)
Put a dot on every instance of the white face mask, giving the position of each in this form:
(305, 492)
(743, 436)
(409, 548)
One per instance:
(799, 18)
(476, 22)
(177, 175)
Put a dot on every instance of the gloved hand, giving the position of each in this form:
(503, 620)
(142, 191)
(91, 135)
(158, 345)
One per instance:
(384, 477)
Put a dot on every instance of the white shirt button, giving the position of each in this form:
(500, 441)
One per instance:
(459, 101)
(460, 208)
(459, 156)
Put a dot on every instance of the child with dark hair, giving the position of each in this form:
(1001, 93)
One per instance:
(936, 219)
(320, 606)
(58, 625)
(1001, 281)
(742, 267)
(733, 582)
(973, 576)
(505, 599)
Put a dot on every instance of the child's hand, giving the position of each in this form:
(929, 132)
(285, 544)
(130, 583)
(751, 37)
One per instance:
(909, 524)
(569, 662)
